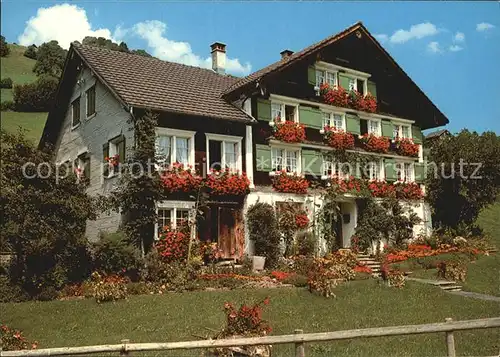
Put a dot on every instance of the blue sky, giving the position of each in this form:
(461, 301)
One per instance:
(450, 49)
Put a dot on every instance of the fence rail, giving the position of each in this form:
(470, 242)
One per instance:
(299, 339)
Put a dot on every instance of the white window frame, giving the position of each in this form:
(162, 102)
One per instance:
(173, 206)
(376, 175)
(287, 149)
(226, 139)
(400, 166)
(331, 120)
(379, 126)
(400, 130)
(177, 133)
(325, 74)
(283, 105)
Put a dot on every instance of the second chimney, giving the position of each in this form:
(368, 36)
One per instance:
(218, 51)
(286, 53)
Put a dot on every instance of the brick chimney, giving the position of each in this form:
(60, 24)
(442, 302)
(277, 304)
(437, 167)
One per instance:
(218, 51)
(286, 53)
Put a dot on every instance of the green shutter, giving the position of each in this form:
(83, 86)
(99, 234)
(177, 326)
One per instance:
(310, 117)
(419, 172)
(311, 75)
(416, 134)
(372, 88)
(263, 109)
(390, 170)
(344, 81)
(312, 162)
(387, 128)
(352, 124)
(263, 157)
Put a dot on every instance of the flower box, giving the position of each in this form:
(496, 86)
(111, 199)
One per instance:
(226, 182)
(301, 220)
(290, 183)
(340, 97)
(290, 132)
(406, 147)
(381, 189)
(179, 179)
(338, 139)
(373, 143)
(408, 190)
(349, 185)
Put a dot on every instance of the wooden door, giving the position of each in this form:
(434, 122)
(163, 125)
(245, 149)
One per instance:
(231, 237)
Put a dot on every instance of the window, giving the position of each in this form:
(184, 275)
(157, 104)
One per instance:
(281, 112)
(230, 155)
(75, 112)
(353, 84)
(326, 77)
(373, 127)
(373, 171)
(224, 152)
(90, 94)
(174, 146)
(173, 217)
(114, 152)
(333, 120)
(404, 171)
(284, 160)
(332, 168)
(276, 113)
(401, 131)
(82, 166)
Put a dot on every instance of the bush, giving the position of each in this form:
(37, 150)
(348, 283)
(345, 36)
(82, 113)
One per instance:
(7, 105)
(13, 340)
(30, 52)
(6, 83)
(296, 280)
(38, 96)
(263, 231)
(10, 292)
(112, 254)
(176, 276)
(108, 288)
(452, 270)
(4, 49)
(306, 244)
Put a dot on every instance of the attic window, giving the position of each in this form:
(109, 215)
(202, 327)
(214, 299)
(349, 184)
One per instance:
(75, 113)
(90, 94)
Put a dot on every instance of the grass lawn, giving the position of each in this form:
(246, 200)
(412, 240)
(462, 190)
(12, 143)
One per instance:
(174, 317)
(33, 123)
(17, 67)
(6, 94)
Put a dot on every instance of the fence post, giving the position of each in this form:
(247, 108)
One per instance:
(299, 346)
(450, 341)
(124, 351)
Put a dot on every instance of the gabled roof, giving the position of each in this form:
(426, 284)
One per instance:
(437, 133)
(147, 82)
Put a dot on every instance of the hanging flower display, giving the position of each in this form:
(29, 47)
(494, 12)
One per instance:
(408, 190)
(350, 185)
(113, 160)
(227, 182)
(287, 183)
(381, 189)
(367, 103)
(375, 143)
(290, 132)
(406, 147)
(179, 179)
(334, 96)
(301, 220)
(338, 139)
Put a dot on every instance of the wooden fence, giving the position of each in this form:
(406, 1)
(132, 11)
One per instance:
(299, 339)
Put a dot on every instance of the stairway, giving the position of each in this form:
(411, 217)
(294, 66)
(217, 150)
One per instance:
(369, 261)
(443, 284)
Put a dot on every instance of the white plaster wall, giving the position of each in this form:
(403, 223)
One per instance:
(110, 120)
(348, 229)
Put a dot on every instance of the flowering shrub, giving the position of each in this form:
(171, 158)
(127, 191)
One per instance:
(375, 143)
(363, 269)
(406, 147)
(108, 288)
(393, 277)
(349, 185)
(226, 182)
(229, 276)
(452, 270)
(245, 321)
(286, 183)
(338, 139)
(325, 273)
(281, 275)
(322, 283)
(179, 179)
(173, 244)
(301, 220)
(368, 103)
(334, 96)
(209, 251)
(13, 340)
(408, 190)
(381, 189)
(290, 132)
(420, 251)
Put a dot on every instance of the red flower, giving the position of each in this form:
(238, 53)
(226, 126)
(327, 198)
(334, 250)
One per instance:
(286, 183)
(352, 99)
(227, 183)
(338, 139)
(406, 147)
(179, 179)
(301, 220)
(290, 132)
(408, 191)
(382, 189)
(375, 143)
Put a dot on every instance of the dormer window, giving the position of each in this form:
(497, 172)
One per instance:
(401, 131)
(328, 77)
(281, 112)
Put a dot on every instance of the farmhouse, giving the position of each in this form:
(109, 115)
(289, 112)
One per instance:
(276, 125)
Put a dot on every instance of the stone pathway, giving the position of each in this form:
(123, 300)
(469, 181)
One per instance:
(369, 261)
(452, 288)
(476, 295)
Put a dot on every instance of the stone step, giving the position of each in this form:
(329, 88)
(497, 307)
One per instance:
(365, 258)
(452, 288)
(444, 283)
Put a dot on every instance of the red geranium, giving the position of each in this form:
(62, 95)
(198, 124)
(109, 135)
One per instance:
(338, 139)
(362, 269)
(287, 183)
(409, 190)
(301, 220)
(281, 275)
(227, 182)
(350, 185)
(381, 189)
(334, 96)
(375, 143)
(173, 244)
(290, 132)
(406, 147)
(178, 179)
(367, 103)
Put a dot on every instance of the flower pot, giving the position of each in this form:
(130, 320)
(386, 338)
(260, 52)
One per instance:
(258, 262)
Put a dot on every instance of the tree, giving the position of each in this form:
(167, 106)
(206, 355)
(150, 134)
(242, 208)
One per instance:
(463, 178)
(50, 59)
(38, 96)
(31, 52)
(4, 48)
(43, 219)
(141, 53)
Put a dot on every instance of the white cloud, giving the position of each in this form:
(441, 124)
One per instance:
(459, 37)
(484, 26)
(434, 47)
(382, 37)
(181, 52)
(64, 23)
(415, 32)
(455, 48)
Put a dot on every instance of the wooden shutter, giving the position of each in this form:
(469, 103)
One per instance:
(353, 124)
(420, 173)
(310, 117)
(311, 75)
(121, 149)
(387, 128)
(105, 154)
(263, 157)
(416, 134)
(86, 167)
(390, 170)
(312, 162)
(344, 81)
(372, 88)
(263, 109)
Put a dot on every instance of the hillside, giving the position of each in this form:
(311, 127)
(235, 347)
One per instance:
(19, 69)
